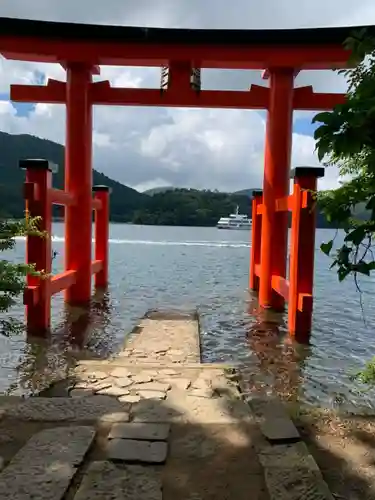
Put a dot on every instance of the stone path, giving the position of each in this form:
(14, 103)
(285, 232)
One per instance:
(154, 424)
(164, 338)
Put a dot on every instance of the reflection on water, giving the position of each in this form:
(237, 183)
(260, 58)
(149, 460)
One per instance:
(82, 334)
(280, 358)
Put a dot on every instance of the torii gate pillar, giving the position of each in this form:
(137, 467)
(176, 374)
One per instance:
(78, 181)
(274, 238)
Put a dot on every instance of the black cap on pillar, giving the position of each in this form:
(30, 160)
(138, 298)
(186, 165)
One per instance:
(257, 192)
(100, 187)
(38, 164)
(307, 172)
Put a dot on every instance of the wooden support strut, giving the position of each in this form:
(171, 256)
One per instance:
(256, 233)
(102, 194)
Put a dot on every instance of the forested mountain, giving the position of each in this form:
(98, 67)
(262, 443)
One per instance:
(189, 207)
(166, 206)
(124, 200)
(158, 190)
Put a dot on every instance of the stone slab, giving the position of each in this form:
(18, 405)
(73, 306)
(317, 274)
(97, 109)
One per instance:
(130, 398)
(213, 462)
(64, 409)
(94, 386)
(132, 482)
(163, 340)
(140, 431)
(86, 364)
(152, 386)
(279, 429)
(128, 450)
(124, 354)
(82, 384)
(295, 483)
(113, 391)
(180, 383)
(79, 393)
(152, 365)
(201, 393)
(151, 373)
(116, 417)
(175, 352)
(102, 384)
(287, 455)
(201, 383)
(141, 378)
(268, 405)
(121, 372)
(158, 314)
(150, 410)
(168, 372)
(151, 394)
(93, 375)
(274, 421)
(45, 466)
(123, 381)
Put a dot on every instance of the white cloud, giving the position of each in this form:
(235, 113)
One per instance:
(146, 147)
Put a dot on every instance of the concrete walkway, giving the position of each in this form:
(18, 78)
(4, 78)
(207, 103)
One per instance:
(154, 423)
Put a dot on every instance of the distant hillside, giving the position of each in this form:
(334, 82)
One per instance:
(190, 207)
(163, 189)
(247, 192)
(157, 190)
(124, 200)
(166, 205)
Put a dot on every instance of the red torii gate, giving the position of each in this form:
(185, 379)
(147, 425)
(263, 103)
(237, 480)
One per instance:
(81, 49)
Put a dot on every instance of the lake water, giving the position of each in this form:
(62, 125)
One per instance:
(205, 268)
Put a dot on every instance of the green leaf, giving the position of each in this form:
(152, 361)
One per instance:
(343, 273)
(356, 236)
(334, 263)
(320, 132)
(363, 268)
(321, 153)
(371, 203)
(326, 247)
(323, 117)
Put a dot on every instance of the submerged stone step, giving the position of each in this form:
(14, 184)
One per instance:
(45, 466)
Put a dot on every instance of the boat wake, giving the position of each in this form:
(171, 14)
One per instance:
(214, 244)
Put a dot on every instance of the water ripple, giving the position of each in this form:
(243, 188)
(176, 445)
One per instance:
(205, 268)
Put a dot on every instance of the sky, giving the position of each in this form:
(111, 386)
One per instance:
(198, 148)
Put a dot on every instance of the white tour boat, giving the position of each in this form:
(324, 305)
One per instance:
(235, 221)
